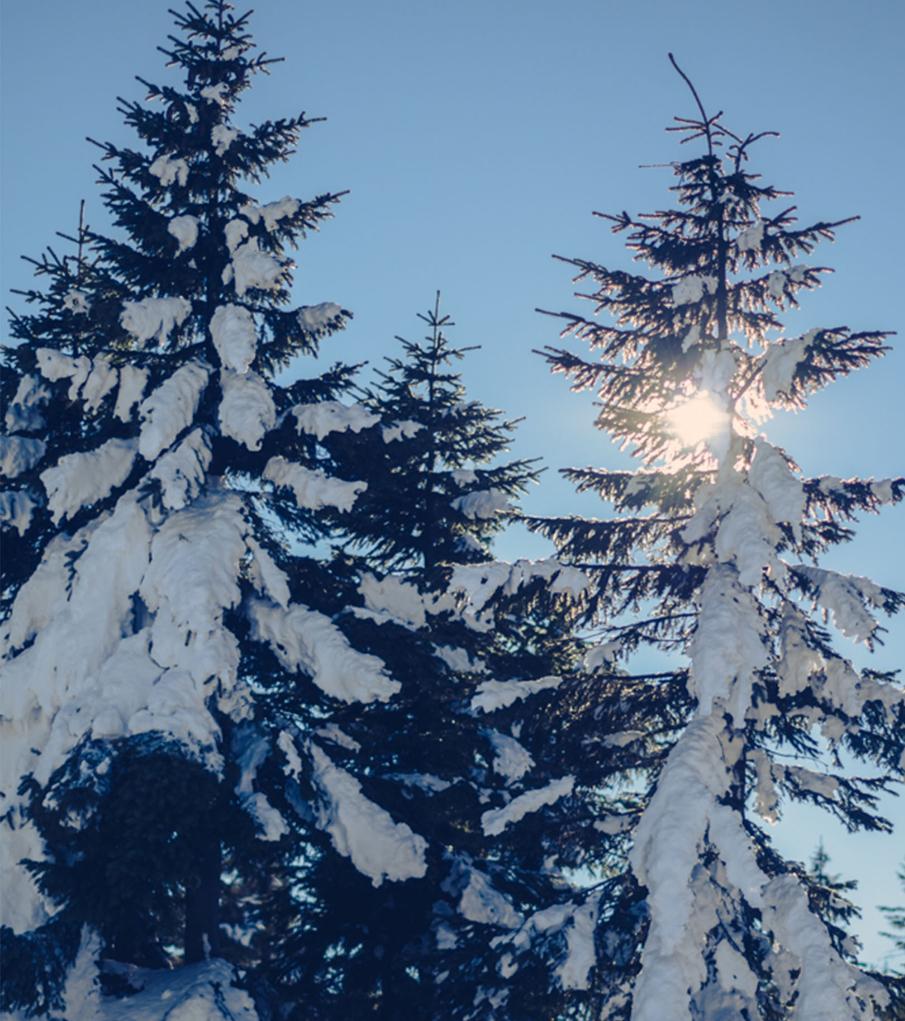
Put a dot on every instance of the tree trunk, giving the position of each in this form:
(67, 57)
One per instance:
(202, 907)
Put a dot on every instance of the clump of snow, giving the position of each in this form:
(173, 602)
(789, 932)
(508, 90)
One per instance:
(484, 503)
(727, 648)
(169, 409)
(24, 409)
(315, 318)
(132, 381)
(234, 336)
(304, 639)
(252, 268)
(75, 301)
(16, 509)
(773, 479)
(55, 365)
(776, 284)
(312, 488)
(496, 820)
(327, 417)
(846, 597)
(81, 479)
(691, 289)
(101, 380)
(267, 578)
(512, 760)
(482, 903)
(272, 212)
(154, 318)
(168, 170)
(492, 695)
(401, 430)
(751, 239)
(192, 578)
(396, 599)
(575, 969)
(271, 825)
(362, 831)
(222, 138)
(247, 410)
(236, 231)
(216, 93)
(479, 583)
(19, 454)
(781, 361)
(181, 471)
(185, 230)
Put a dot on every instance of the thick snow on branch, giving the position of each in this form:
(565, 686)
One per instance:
(252, 268)
(405, 429)
(483, 503)
(132, 381)
(192, 578)
(312, 488)
(492, 695)
(316, 318)
(153, 318)
(304, 639)
(266, 577)
(574, 971)
(247, 410)
(168, 170)
(24, 411)
(81, 479)
(185, 230)
(479, 583)
(18, 454)
(780, 362)
(55, 365)
(362, 831)
(394, 599)
(781, 490)
(170, 408)
(327, 417)
(101, 380)
(512, 760)
(484, 904)
(234, 336)
(726, 649)
(16, 509)
(181, 471)
(496, 820)
(272, 212)
(847, 598)
(222, 137)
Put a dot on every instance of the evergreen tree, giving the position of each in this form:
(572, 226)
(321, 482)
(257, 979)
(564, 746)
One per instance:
(718, 547)
(173, 632)
(444, 753)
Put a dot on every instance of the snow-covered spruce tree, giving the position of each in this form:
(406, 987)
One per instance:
(443, 753)
(169, 637)
(718, 549)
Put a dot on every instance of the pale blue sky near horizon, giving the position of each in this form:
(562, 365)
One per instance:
(476, 139)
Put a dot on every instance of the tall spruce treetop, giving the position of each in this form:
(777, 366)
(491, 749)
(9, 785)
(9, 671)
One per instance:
(720, 543)
(170, 641)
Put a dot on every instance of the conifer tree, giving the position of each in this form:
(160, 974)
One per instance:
(443, 753)
(172, 637)
(717, 553)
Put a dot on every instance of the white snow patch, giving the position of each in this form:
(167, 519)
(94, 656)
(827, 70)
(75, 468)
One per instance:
(492, 695)
(377, 845)
(484, 503)
(181, 471)
(167, 170)
(132, 381)
(401, 430)
(252, 268)
(247, 410)
(170, 408)
(312, 488)
(153, 318)
(81, 479)
(315, 318)
(496, 820)
(185, 230)
(234, 336)
(19, 454)
(512, 760)
(394, 597)
(16, 509)
(780, 363)
(304, 639)
(222, 137)
(484, 904)
(327, 417)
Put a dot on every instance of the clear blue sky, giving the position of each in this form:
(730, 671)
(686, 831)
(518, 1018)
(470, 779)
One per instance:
(476, 138)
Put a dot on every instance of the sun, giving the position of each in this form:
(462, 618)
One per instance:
(697, 420)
